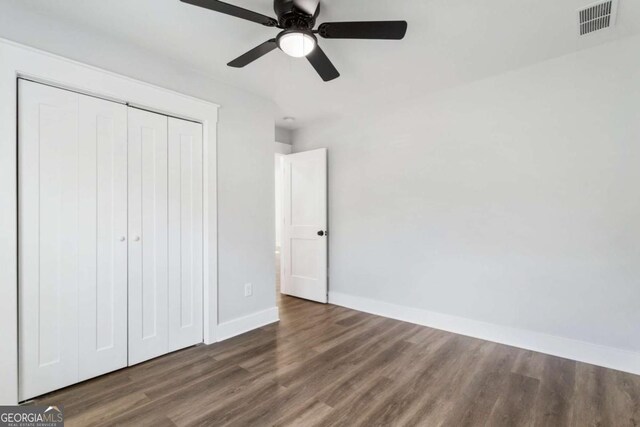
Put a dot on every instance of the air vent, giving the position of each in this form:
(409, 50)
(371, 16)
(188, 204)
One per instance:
(597, 16)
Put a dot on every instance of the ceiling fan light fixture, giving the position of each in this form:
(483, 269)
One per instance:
(297, 43)
(298, 20)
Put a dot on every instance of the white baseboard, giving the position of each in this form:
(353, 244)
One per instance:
(248, 323)
(609, 357)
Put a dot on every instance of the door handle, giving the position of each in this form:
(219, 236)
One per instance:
(322, 233)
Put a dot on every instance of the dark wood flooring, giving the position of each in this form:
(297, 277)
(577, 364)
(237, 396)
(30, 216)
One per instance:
(325, 365)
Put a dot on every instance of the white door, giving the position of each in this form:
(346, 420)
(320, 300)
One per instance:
(73, 214)
(48, 238)
(148, 234)
(185, 233)
(304, 246)
(110, 236)
(102, 186)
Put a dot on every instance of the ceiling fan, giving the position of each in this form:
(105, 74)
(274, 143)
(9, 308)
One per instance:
(297, 19)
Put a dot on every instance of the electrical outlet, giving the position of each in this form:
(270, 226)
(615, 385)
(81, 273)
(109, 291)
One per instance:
(248, 289)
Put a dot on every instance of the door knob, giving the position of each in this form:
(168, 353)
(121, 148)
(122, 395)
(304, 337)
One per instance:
(137, 238)
(122, 239)
(321, 233)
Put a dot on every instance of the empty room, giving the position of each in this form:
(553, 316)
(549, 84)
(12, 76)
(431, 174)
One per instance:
(320, 213)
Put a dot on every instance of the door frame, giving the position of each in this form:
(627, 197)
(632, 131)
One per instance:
(19, 61)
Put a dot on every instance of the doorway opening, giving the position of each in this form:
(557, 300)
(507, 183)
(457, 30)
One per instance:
(281, 150)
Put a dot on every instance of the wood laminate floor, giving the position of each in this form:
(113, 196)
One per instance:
(325, 365)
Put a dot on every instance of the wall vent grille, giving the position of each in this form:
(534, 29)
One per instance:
(597, 16)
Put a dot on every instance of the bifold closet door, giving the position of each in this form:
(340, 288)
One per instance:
(185, 233)
(148, 236)
(110, 236)
(48, 238)
(166, 235)
(102, 293)
(72, 215)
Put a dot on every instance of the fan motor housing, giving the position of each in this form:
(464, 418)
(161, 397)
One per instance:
(291, 17)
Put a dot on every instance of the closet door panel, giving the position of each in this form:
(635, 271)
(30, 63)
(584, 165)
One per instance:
(48, 238)
(103, 230)
(148, 257)
(185, 233)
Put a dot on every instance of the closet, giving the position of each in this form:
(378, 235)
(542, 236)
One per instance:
(110, 206)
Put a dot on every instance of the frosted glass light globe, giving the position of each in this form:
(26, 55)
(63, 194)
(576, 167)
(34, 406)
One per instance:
(297, 44)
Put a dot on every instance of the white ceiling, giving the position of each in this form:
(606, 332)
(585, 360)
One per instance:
(449, 43)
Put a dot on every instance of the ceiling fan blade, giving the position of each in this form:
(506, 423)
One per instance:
(255, 53)
(232, 10)
(308, 6)
(322, 64)
(385, 30)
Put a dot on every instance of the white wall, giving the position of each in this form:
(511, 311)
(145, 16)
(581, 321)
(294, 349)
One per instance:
(514, 200)
(282, 148)
(283, 135)
(245, 151)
